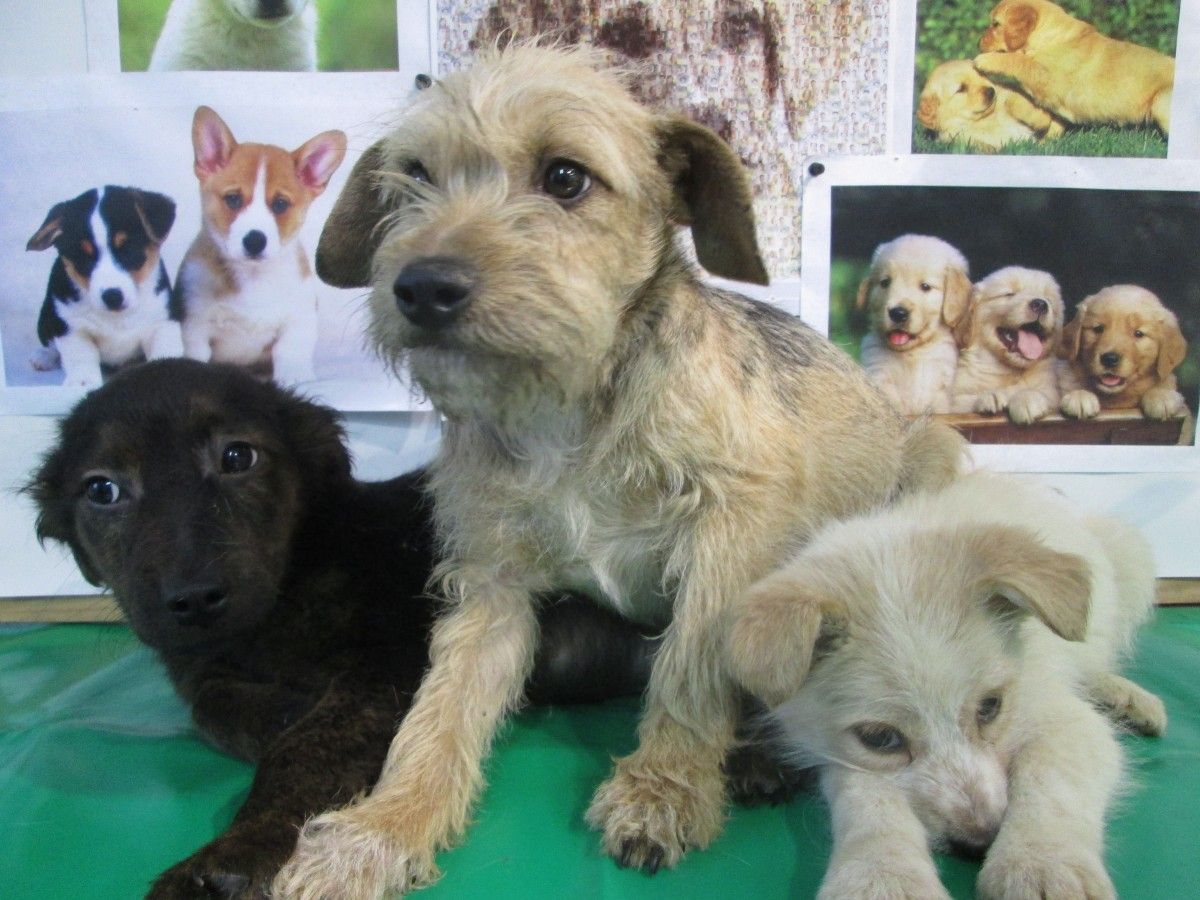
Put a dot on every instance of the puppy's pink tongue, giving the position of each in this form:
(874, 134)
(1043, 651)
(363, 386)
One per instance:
(1029, 345)
(1110, 380)
(898, 338)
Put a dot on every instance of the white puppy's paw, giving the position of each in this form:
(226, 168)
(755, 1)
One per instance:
(1163, 404)
(343, 854)
(1028, 406)
(1080, 405)
(991, 403)
(1035, 871)
(882, 879)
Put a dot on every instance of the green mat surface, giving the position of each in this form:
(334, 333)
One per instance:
(104, 783)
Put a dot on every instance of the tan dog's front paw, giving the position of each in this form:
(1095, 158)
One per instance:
(991, 403)
(992, 63)
(1027, 407)
(1161, 405)
(343, 855)
(882, 879)
(1080, 405)
(649, 820)
(1037, 871)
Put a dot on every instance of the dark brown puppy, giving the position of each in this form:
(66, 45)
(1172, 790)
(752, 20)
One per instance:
(284, 597)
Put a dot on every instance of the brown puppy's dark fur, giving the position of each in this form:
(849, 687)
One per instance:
(284, 597)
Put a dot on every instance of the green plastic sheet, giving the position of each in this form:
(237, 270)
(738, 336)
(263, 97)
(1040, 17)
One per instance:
(104, 783)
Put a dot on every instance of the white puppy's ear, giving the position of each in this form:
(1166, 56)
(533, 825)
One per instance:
(1018, 571)
(962, 326)
(864, 291)
(1073, 332)
(1173, 346)
(956, 295)
(773, 635)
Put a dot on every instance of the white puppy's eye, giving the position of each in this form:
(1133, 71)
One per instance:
(885, 281)
(102, 491)
(880, 738)
(926, 286)
(238, 456)
(988, 709)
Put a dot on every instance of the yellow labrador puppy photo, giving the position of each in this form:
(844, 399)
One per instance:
(1008, 341)
(960, 104)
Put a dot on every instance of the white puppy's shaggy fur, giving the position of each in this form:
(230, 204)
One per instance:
(238, 35)
(915, 292)
(940, 661)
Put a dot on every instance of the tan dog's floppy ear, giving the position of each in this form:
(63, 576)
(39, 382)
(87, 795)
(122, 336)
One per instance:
(1019, 571)
(712, 195)
(962, 327)
(773, 635)
(1073, 332)
(351, 234)
(1018, 25)
(956, 296)
(864, 289)
(1173, 348)
(927, 111)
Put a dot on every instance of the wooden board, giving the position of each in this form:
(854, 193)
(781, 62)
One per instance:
(1111, 427)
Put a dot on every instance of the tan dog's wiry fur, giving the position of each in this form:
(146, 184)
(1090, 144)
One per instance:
(1122, 347)
(612, 424)
(939, 662)
(1069, 68)
(1009, 338)
(958, 103)
(918, 286)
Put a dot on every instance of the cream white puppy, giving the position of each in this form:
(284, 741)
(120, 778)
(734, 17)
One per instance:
(915, 291)
(1008, 340)
(942, 662)
(238, 35)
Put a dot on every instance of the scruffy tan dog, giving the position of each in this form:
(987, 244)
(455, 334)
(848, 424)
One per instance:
(958, 103)
(1122, 347)
(916, 288)
(1068, 67)
(939, 662)
(1008, 339)
(612, 424)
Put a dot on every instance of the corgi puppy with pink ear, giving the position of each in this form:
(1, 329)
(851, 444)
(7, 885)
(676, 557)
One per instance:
(245, 291)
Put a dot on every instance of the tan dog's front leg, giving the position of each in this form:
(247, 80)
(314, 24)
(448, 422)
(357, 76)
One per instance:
(481, 653)
(1031, 77)
(880, 850)
(1051, 843)
(1034, 117)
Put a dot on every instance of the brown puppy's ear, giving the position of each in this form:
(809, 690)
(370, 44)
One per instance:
(1073, 332)
(56, 512)
(318, 442)
(1173, 348)
(773, 636)
(864, 290)
(927, 111)
(956, 295)
(962, 327)
(351, 234)
(712, 195)
(47, 234)
(1018, 571)
(1018, 25)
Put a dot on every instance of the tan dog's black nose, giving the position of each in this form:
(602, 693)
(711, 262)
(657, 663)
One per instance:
(1039, 306)
(898, 314)
(432, 292)
(1110, 359)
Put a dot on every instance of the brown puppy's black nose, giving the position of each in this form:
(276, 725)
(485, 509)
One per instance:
(898, 314)
(1039, 306)
(197, 604)
(1110, 359)
(432, 292)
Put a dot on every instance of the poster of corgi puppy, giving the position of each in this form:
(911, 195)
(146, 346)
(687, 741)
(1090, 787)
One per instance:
(246, 290)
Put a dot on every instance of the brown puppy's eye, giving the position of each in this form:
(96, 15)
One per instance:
(234, 200)
(988, 709)
(418, 172)
(1139, 333)
(880, 738)
(280, 205)
(885, 281)
(102, 491)
(926, 286)
(1097, 329)
(238, 456)
(566, 180)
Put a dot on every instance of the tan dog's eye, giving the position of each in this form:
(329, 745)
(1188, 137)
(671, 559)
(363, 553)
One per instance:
(926, 286)
(885, 282)
(1139, 333)
(962, 89)
(417, 172)
(1097, 329)
(880, 738)
(566, 180)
